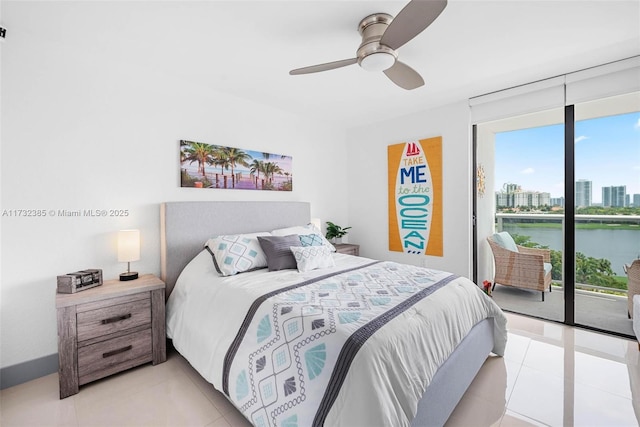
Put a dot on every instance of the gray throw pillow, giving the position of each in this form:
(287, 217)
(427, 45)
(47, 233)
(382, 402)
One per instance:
(278, 252)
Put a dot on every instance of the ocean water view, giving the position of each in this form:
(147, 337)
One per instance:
(618, 246)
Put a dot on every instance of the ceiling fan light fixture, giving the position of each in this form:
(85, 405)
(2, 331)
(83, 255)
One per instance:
(378, 61)
(382, 35)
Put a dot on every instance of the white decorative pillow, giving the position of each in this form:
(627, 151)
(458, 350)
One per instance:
(303, 230)
(233, 254)
(312, 257)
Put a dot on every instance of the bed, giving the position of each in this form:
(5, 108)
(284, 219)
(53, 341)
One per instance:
(358, 362)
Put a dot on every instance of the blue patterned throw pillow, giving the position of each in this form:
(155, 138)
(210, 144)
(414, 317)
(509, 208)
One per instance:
(237, 253)
(311, 240)
(304, 230)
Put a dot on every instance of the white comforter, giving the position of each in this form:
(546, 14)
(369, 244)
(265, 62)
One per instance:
(205, 311)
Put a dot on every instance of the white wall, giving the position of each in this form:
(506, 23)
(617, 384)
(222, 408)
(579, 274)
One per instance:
(84, 130)
(368, 213)
(87, 129)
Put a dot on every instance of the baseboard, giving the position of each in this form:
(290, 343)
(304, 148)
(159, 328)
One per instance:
(27, 371)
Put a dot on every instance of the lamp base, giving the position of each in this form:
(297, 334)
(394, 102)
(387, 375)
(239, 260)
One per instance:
(129, 275)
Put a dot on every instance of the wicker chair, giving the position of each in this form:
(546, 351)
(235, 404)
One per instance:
(633, 284)
(519, 266)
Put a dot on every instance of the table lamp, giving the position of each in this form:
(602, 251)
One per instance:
(128, 250)
(317, 223)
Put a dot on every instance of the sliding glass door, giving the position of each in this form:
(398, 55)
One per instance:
(607, 209)
(565, 181)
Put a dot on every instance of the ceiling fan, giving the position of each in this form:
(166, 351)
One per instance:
(382, 35)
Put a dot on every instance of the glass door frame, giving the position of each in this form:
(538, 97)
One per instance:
(569, 231)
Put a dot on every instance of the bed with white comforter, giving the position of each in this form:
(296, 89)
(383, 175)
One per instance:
(356, 344)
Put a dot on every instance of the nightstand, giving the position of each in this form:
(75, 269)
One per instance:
(347, 248)
(109, 328)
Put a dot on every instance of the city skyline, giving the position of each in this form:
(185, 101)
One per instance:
(607, 153)
(512, 195)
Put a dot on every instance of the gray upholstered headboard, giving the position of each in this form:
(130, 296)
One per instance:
(186, 226)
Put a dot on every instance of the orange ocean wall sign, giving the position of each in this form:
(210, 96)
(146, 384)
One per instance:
(415, 197)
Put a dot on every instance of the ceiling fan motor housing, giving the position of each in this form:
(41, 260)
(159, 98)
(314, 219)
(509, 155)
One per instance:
(372, 55)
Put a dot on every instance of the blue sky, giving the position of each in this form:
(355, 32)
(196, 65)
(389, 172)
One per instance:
(607, 153)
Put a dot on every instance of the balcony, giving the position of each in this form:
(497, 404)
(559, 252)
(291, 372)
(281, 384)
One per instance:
(614, 238)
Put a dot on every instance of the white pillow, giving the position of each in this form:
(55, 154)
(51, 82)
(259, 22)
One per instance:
(298, 229)
(237, 253)
(312, 257)
(304, 230)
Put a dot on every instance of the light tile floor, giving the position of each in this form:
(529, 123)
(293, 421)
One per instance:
(551, 375)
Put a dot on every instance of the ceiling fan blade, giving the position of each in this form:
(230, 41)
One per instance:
(411, 21)
(323, 67)
(404, 76)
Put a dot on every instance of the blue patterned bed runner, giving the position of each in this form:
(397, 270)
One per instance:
(288, 361)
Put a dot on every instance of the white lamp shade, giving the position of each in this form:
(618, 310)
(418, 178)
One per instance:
(128, 245)
(316, 223)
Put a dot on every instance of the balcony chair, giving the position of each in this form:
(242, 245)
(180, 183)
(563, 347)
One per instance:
(633, 284)
(519, 266)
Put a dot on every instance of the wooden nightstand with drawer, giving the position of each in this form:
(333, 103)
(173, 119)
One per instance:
(109, 328)
(347, 248)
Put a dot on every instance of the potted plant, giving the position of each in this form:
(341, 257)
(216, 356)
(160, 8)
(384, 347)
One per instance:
(335, 232)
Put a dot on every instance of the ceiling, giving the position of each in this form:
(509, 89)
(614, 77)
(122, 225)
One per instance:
(247, 48)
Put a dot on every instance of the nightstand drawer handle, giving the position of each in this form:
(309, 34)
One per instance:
(118, 351)
(116, 319)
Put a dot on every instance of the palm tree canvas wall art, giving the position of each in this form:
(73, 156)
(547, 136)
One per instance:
(215, 166)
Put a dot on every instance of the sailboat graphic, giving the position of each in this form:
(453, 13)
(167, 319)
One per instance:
(412, 149)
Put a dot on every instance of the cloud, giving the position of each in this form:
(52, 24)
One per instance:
(581, 138)
(527, 171)
(637, 125)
